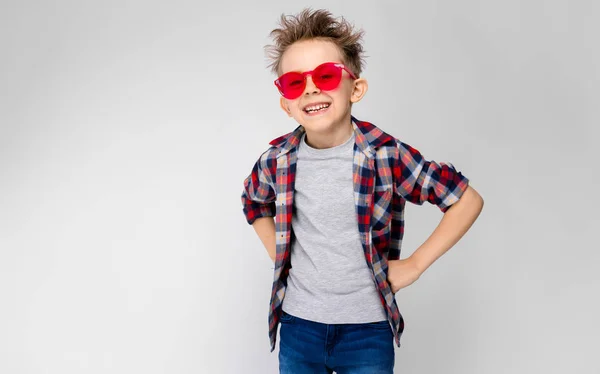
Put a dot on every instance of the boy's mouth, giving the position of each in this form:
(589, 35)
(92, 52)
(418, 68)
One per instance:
(316, 108)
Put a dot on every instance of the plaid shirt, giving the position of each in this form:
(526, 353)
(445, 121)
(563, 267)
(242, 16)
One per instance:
(386, 174)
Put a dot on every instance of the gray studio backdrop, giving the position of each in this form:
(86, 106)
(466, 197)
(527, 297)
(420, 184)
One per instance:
(127, 128)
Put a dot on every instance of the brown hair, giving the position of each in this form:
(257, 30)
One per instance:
(316, 24)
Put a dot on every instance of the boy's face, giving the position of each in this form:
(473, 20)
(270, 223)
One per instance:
(305, 56)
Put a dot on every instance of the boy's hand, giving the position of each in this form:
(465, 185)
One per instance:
(402, 273)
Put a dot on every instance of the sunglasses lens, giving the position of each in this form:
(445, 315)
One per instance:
(291, 85)
(327, 76)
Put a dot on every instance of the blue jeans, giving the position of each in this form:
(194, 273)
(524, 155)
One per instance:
(312, 347)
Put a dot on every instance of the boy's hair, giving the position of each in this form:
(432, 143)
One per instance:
(316, 24)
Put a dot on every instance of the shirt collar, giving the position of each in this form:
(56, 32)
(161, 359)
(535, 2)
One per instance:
(368, 138)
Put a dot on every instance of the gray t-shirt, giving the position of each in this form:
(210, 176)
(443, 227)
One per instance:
(329, 281)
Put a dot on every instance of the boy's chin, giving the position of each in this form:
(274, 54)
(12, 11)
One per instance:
(322, 125)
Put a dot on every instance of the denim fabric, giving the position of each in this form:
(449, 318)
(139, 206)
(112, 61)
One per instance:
(313, 347)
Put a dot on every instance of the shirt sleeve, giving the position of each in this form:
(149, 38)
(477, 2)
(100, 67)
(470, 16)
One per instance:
(418, 180)
(258, 196)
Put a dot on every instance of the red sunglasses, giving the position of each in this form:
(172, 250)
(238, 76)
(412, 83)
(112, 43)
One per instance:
(326, 77)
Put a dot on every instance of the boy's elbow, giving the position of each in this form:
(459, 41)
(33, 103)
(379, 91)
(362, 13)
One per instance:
(474, 198)
(470, 198)
(478, 198)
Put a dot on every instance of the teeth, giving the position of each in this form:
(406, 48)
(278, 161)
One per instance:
(316, 107)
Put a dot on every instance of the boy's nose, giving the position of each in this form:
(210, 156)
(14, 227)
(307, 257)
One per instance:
(310, 86)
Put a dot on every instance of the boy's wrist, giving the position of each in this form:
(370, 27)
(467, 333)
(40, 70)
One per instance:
(409, 262)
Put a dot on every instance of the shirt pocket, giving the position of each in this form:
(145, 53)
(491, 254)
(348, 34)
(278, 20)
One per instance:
(382, 209)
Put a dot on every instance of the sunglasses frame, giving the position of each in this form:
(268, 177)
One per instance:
(304, 74)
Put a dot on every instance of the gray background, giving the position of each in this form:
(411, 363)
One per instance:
(127, 128)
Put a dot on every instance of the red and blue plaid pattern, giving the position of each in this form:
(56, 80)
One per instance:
(386, 174)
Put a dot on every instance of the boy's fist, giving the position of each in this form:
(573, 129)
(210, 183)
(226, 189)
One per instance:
(402, 273)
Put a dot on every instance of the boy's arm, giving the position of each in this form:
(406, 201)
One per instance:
(420, 180)
(258, 200)
(265, 229)
(454, 224)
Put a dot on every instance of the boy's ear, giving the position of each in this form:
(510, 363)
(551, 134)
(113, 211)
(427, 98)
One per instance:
(284, 106)
(359, 90)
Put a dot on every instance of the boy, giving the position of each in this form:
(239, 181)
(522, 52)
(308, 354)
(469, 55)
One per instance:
(337, 187)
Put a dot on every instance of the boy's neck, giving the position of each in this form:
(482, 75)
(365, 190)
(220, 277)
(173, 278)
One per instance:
(337, 136)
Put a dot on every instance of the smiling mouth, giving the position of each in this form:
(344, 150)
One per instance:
(311, 109)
